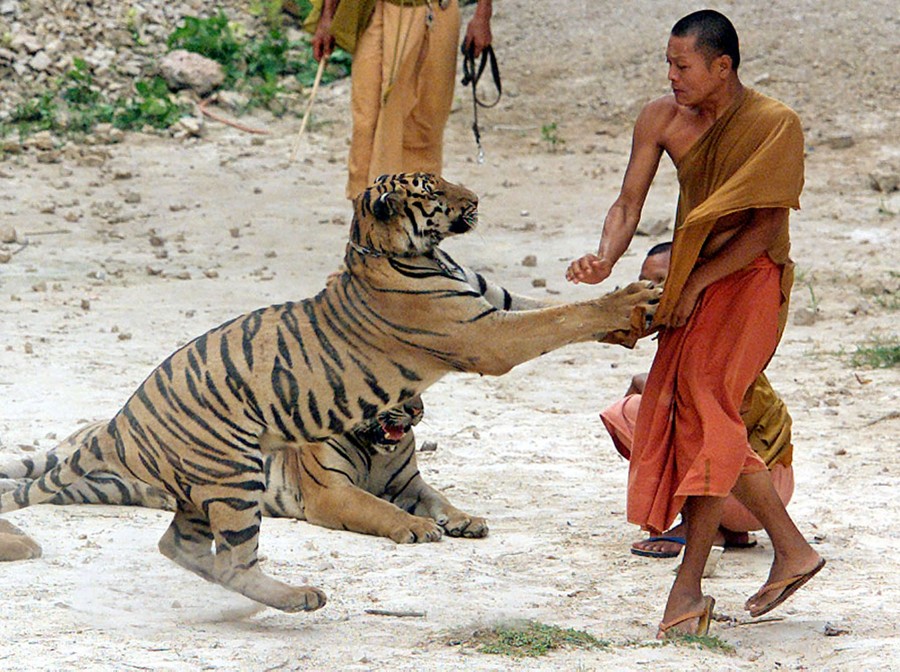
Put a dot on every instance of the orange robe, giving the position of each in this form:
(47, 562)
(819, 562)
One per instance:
(768, 425)
(689, 437)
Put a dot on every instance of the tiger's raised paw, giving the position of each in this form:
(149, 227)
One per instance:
(418, 530)
(463, 525)
(634, 307)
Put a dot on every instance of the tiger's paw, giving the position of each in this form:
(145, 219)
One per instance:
(416, 530)
(15, 544)
(304, 598)
(634, 308)
(461, 524)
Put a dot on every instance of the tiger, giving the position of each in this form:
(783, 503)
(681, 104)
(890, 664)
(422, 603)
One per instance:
(400, 316)
(365, 480)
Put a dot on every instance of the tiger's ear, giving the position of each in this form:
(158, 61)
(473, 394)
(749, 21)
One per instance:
(387, 205)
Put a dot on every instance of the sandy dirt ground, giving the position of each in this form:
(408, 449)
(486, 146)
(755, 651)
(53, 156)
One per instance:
(135, 248)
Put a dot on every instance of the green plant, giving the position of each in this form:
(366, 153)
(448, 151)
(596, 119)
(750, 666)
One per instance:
(76, 104)
(35, 115)
(531, 639)
(813, 302)
(132, 25)
(84, 102)
(709, 642)
(801, 278)
(550, 135)
(878, 353)
(272, 12)
(255, 66)
(152, 105)
(212, 37)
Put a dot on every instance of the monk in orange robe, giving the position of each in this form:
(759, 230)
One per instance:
(739, 156)
(768, 426)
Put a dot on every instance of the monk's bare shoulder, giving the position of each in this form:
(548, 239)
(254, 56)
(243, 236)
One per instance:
(659, 113)
(654, 123)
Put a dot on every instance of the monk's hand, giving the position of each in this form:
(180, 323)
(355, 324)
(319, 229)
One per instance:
(685, 306)
(589, 269)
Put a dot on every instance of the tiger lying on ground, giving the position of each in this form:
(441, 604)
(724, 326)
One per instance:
(401, 316)
(365, 480)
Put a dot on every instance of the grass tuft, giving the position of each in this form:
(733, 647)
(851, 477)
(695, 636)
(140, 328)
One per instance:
(530, 639)
(877, 354)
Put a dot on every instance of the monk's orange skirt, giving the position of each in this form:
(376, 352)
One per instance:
(689, 438)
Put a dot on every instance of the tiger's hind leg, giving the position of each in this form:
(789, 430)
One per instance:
(235, 527)
(188, 542)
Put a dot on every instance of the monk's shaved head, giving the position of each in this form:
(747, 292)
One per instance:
(714, 34)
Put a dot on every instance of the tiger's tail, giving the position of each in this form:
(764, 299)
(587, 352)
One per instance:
(33, 466)
(88, 457)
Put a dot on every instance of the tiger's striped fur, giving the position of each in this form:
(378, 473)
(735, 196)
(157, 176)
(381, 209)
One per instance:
(365, 480)
(401, 316)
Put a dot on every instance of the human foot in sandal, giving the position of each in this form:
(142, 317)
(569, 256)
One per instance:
(668, 629)
(774, 593)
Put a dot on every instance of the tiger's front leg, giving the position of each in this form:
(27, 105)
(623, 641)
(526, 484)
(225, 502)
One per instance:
(330, 500)
(425, 500)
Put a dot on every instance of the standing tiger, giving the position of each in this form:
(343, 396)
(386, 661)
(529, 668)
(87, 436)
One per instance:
(365, 480)
(397, 319)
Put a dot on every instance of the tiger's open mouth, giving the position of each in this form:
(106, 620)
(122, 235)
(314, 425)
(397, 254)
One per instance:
(387, 434)
(394, 433)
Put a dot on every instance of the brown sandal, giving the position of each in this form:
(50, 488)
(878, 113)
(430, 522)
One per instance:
(704, 617)
(787, 586)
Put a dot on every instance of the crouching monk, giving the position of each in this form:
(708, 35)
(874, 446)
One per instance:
(739, 156)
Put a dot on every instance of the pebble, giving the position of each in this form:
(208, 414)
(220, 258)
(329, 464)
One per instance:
(7, 234)
(804, 317)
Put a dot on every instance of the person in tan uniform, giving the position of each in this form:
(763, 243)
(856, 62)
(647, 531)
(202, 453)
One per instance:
(739, 157)
(402, 79)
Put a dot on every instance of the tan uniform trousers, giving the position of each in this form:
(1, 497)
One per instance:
(415, 65)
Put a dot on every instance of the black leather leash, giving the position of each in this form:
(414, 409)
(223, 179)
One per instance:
(471, 75)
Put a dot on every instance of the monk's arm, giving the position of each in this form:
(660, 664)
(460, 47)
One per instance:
(753, 238)
(625, 213)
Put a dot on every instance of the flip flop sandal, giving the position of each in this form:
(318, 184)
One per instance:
(704, 617)
(659, 554)
(787, 586)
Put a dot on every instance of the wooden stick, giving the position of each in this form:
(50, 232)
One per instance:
(312, 97)
(228, 122)
(398, 614)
